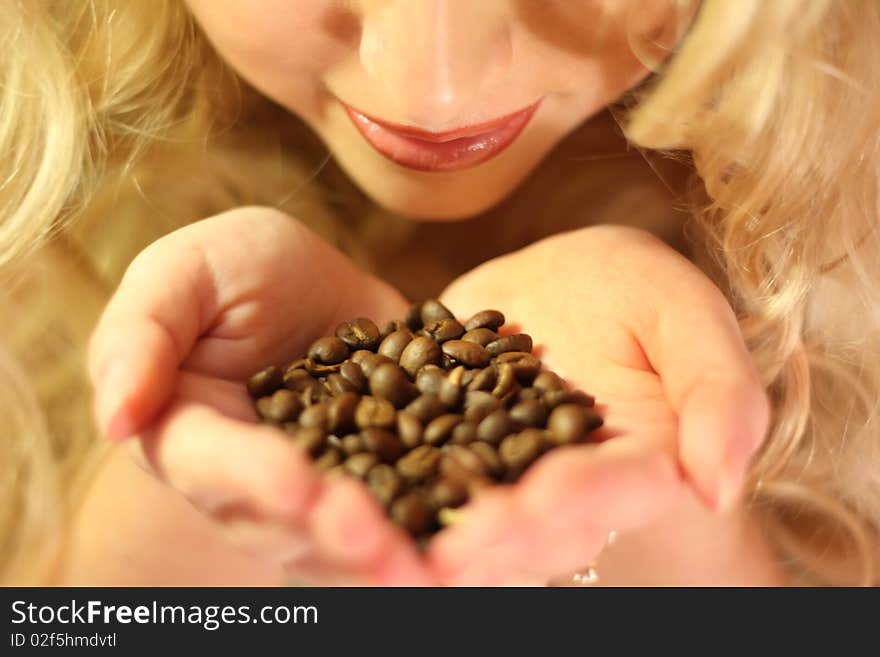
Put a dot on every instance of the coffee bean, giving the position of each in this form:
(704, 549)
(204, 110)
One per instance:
(394, 343)
(547, 381)
(265, 382)
(392, 326)
(429, 379)
(433, 311)
(317, 369)
(382, 443)
(426, 408)
(328, 351)
(353, 444)
(374, 412)
(418, 353)
(489, 456)
(360, 464)
(570, 423)
(440, 429)
(521, 449)
(464, 433)
(447, 493)
(313, 392)
(515, 342)
(353, 373)
(389, 381)
(531, 413)
(525, 366)
(413, 513)
(484, 379)
(360, 333)
(556, 397)
(283, 406)
(495, 427)
(444, 329)
(478, 404)
(316, 415)
(337, 384)
(480, 336)
(409, 429)
(311, 439)
(341, 413)
(466, 353)
(458, 460)
(330, 458)
(527, 394)
(488, 319)
(450, 394)
(385, 483)
(297, 379)
(419, 464)
(506, 384)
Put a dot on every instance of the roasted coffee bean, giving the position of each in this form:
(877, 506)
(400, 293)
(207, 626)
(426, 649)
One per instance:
(368, 361)
(571, 423)
(429, 379)
(525, 366)
(418, 353)
(353, 373)
(330, 458)
(382, 443)
(413, 513)
(283, 406)
(547, 381)
(556, 397)
(316, 415)
(444, 329)
(478, 404)
(466, 353)
(313, 392)
(433, 311)
(389, 381)
(385, 483)
(394, 343)
(521, 449)
(374, 412)
(311, 439)
(484, 379)
(450, 394)
(426, 407)
(480, 336)
(337, 384)
(515, 342)
(506, 384)
(353, 444)
(495, 427)
(297, 379)
(530, 413)
(409, 429)
(265, 382)
(489, 319)
(458, 459)
(328, 351)
(447, 493)
(341, 413)
(464, 433)
(489, 456)
(527, 394)
(456, 375)
(392, 326)
(440, 429)
(360, 333)
(421, 463)
(319, 370)
(360, 464)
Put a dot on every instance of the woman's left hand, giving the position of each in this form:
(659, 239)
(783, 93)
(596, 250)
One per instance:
(624, 317)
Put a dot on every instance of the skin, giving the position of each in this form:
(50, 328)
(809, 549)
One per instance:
(655, 340)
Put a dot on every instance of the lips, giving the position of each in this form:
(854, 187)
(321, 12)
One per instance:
(450, 150)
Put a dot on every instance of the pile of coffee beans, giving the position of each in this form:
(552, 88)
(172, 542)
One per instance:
(426, 412)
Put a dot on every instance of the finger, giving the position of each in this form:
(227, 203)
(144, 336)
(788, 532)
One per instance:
(712, 384)
(558, 516)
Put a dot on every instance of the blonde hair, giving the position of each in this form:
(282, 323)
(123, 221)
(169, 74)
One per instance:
(775, 102)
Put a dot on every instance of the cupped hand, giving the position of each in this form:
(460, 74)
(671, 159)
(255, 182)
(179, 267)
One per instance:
(624, 317)
(195, 315)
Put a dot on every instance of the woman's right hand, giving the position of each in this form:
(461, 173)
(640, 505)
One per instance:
(195, 315)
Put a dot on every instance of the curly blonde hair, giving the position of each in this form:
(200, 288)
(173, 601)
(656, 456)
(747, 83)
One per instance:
(775, 105)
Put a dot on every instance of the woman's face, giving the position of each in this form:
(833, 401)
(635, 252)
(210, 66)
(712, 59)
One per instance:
(439, 108)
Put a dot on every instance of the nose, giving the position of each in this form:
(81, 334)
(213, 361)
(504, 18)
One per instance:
(433, 57)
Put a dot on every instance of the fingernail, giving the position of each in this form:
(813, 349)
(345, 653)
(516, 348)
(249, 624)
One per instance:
(113, 393)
